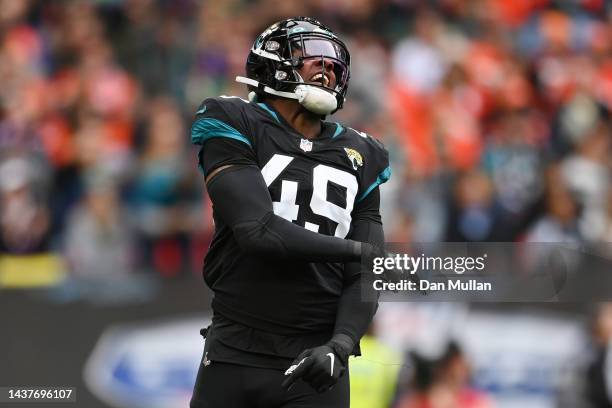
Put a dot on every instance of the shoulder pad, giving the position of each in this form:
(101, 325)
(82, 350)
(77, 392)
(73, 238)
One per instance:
(221, 117)
(225, 103)
(364, 138)
(375, 157)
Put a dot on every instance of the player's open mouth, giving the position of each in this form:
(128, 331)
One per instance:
(321, 78)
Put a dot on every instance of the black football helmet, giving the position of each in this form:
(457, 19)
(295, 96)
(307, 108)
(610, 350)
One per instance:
(277, 54)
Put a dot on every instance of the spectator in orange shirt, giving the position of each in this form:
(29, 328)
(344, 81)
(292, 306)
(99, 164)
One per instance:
(443, 383)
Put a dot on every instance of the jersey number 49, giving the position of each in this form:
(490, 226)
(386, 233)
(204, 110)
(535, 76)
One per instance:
(321, 176)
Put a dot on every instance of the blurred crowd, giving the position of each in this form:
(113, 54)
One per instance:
(496, 114)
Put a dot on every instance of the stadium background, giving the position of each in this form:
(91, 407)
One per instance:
(496, 114)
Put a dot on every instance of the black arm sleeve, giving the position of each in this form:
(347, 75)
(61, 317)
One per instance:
(355, 314)
(242, 201)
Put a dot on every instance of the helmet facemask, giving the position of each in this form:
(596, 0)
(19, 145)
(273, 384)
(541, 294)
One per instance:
(315, 46)
(280, 52)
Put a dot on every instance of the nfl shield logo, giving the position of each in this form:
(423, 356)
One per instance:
(306, 145)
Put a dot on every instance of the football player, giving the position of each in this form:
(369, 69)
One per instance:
(296, 207)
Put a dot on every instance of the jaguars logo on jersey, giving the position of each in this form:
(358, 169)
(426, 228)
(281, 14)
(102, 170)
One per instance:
(355, 157)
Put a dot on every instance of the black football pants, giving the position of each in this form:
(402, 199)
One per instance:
(224, 385)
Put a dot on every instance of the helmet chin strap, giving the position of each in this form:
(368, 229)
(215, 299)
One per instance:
(314, 99)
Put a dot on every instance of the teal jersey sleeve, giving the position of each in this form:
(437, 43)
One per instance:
(218, 127)
(373, 160)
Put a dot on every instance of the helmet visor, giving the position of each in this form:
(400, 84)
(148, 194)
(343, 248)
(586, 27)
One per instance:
(316, 47)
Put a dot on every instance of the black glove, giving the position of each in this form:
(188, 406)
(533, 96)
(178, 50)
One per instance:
(321, 366)
(369, 252)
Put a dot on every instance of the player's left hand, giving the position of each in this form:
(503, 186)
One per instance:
(320, 367)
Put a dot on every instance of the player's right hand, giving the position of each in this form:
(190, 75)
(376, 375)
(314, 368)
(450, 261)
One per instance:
(371, 252)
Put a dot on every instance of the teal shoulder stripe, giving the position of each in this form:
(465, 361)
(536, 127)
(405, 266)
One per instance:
(339, 129)
(207, 128)
(270, 111)
(382, 178)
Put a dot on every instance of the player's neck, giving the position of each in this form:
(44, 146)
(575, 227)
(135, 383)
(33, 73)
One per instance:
(304, 122)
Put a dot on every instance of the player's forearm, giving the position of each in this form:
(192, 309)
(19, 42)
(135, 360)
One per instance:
(355, 313)
(355, 308)
(241, 199)
(275, 236)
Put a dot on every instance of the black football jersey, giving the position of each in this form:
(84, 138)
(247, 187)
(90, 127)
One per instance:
(317, 184)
